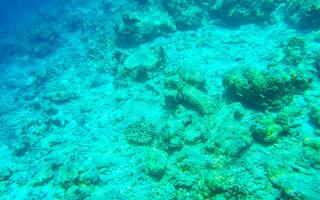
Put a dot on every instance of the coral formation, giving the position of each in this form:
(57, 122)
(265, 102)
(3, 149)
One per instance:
(294, 51)
(258, 88)
(266, 129)
(303, 14)
(140, 132)
(187, 14)
(179, 91)
(243, 11)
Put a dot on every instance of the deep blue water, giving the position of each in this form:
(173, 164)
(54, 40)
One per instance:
(18, 12)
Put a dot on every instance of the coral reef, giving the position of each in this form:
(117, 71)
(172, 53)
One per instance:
(161, 99)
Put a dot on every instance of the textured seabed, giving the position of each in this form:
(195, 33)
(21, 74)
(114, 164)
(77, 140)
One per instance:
(162, 99)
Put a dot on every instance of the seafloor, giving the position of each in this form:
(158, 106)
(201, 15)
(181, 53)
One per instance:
(162, 100)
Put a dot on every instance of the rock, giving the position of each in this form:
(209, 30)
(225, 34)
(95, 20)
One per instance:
(313, 142)
(141, 62)
(89, 177)
(230, 143)
(295, 185)
(141, 27)
(266, 130)
(193, 136)
(315, 116)
(197, 99)
(61, 97)
(312, 155)
(5, 172)
(192, 77)
(43, 177)
(156, 163)
(187, 14)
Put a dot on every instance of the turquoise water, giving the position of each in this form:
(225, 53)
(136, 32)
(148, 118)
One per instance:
(160, 99)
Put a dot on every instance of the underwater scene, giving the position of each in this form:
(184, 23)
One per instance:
(160, 100)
